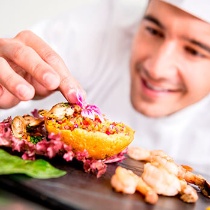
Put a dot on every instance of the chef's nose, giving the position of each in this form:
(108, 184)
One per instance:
(162, 60)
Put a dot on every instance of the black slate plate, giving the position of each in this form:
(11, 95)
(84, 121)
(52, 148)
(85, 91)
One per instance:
(80, 190)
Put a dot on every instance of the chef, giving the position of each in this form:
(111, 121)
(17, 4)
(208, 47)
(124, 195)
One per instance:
(144, 63)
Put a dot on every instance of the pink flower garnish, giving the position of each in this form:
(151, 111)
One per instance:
(35, 113)
(88, 110)
(80, 100)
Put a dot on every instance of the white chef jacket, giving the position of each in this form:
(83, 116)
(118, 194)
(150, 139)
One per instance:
(95, 44)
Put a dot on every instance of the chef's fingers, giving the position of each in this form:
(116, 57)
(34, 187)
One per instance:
(68, 85)
(7, 99)
(28, 59)
(14, 83)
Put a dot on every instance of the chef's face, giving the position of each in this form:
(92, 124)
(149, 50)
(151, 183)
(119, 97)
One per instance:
(170, 61)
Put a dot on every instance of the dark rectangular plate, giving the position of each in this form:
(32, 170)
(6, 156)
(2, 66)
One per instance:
(80, 190)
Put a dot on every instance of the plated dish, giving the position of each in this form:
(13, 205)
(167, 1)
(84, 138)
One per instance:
(74, 131)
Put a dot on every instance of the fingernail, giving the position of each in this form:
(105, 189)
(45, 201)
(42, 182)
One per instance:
(24, 92)
(51, 81)
(72, 96)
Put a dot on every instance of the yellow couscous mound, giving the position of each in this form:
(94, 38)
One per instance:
(101, 139)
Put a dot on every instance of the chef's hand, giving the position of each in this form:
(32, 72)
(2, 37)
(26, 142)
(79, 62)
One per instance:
(30, 69)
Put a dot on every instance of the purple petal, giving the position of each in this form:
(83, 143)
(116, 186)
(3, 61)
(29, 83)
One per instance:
(80, 100)
(88, 113)
(88, 110)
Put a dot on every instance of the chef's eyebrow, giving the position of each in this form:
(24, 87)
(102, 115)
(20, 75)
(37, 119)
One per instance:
(153, 20)
(199, 44)
(192, 41)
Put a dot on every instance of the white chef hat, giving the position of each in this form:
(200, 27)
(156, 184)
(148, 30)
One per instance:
(197, 8)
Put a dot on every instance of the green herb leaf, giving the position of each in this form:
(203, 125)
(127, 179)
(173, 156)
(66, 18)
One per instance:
(40, 169)
(35, 139)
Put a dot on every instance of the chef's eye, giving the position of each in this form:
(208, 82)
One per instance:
(194, 52)
(154, 31)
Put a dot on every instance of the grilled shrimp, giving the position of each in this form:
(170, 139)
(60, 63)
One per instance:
(159, 158)
(168, 184)
(126, 181)
(139, 153)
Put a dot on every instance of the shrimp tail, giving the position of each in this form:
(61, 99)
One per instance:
(199, 181)
(205, 189)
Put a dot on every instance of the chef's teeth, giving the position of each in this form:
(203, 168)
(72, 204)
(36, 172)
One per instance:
(155, 88)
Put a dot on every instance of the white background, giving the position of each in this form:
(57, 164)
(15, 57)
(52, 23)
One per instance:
(16, 15)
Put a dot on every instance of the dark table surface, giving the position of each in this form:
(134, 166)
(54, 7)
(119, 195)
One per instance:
(10, 201)
(80, 190)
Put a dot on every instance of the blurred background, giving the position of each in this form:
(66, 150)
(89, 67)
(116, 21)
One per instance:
(16, 15)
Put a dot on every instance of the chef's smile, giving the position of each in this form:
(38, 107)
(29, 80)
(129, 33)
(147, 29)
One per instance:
(155, 88)
(152, 90)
